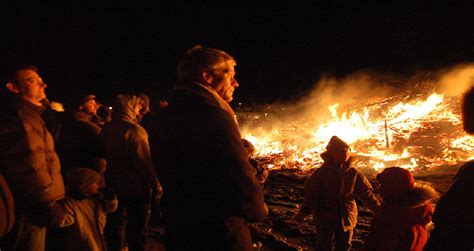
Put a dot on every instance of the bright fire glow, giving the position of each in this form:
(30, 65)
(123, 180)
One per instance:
(422, 133)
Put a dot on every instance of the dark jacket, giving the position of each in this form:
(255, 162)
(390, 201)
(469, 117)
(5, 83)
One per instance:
(79, 143)
(130, 171)
(401, 223)
(454, 214)
(27, 157)
(210, 189)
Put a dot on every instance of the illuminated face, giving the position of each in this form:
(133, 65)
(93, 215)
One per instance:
(90, 107)
(30, 86)
(223, 80)
(138, 107)
(340, 156)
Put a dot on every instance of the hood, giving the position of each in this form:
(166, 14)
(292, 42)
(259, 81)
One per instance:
(329, 162)
(419, 195)
(124, 106)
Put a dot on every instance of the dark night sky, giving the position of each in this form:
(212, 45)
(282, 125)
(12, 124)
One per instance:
(281, 51)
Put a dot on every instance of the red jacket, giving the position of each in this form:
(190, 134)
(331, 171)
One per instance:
(401, 224)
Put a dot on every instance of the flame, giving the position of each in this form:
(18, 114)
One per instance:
(422, 133)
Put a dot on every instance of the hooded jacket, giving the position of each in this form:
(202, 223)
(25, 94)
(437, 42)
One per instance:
(129, 168)
(401, 222)
(28, 160)
(330, 193)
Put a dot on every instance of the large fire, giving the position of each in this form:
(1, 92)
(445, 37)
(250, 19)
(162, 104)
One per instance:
(418, 131)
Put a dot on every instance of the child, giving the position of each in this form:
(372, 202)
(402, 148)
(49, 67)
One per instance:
(406, 210)
(330, 196)
(86, 210)
(262, 172)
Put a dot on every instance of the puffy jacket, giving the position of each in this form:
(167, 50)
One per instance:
(27, 157)
(330, 193)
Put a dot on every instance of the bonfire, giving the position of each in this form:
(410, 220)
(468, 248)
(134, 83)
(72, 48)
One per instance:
(419, 128)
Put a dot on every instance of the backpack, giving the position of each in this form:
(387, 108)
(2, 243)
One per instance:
(7, 209)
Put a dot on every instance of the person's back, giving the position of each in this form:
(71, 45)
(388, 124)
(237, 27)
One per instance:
(453, 217)
(406, 210)
(130, 174)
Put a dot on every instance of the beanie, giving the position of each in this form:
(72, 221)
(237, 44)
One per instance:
(336, 143)
(80, 179)
(395, 180)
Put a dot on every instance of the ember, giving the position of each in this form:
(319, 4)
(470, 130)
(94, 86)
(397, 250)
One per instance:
(419, 129)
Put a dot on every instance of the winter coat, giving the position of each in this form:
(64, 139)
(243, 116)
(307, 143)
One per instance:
(401, 222)
(130, 171)
(86, 219)
(79, 143)
(27, 157)
(210, 188)
(330, 194)
(454, 214)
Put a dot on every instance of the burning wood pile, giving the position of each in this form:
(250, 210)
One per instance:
(418, 128)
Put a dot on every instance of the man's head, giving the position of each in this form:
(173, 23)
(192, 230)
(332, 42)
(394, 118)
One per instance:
(468, 111)
(88, 105)
(211, 67)
(25, 82)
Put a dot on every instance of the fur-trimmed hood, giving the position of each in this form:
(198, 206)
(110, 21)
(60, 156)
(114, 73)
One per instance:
(329, 162)
(419, 195)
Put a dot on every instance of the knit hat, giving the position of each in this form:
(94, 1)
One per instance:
(336, 143)
(395, 180)
(80, 179)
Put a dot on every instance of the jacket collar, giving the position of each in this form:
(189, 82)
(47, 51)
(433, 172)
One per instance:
(209, 95)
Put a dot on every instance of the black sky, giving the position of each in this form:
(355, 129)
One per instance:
(281, 51)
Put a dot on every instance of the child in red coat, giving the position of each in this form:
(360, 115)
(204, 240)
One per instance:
(406, 210)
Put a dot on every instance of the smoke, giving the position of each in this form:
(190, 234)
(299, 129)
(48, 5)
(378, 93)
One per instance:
(456, 80)
(356, 91)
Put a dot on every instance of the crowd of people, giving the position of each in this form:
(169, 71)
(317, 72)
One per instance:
(92, 180)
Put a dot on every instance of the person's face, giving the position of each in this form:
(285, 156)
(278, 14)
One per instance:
(341, 155)
(90, 107)
(138, 107)
(93, 189)
(223, 80)
(30, 86)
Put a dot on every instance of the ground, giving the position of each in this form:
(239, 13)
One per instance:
(284, 194)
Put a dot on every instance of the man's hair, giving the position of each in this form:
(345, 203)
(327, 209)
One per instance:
(468, 111)
(12, 73)
(199, 58)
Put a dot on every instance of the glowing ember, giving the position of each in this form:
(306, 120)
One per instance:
(422, 133)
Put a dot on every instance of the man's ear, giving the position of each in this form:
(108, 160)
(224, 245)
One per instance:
(12, 87)
(206, 76)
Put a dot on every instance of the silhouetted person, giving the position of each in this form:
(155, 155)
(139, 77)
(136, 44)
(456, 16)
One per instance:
(79, 144)
(330, 194)
(454, 214)
(210, 189)
(130, 174)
